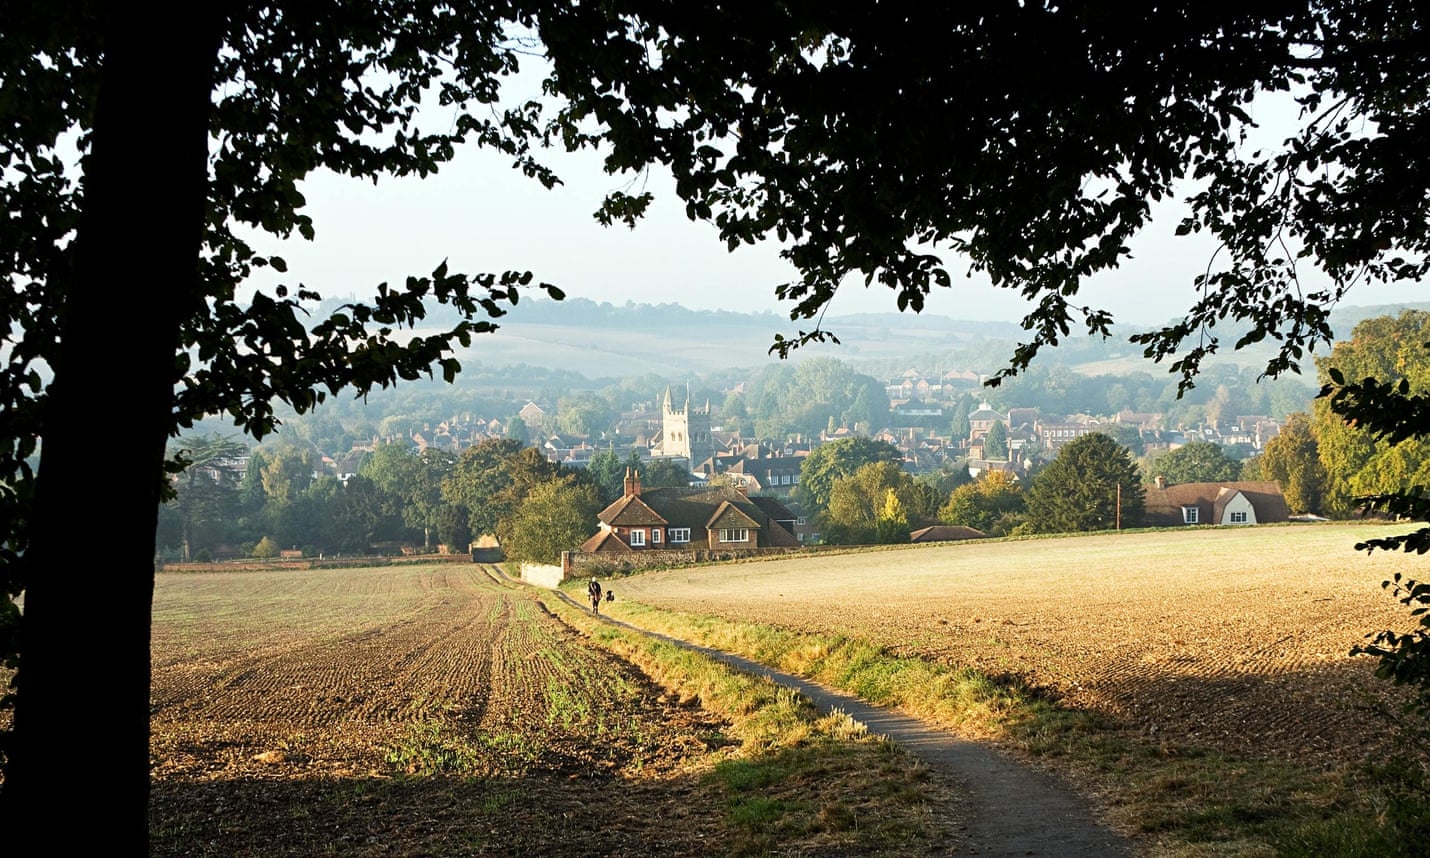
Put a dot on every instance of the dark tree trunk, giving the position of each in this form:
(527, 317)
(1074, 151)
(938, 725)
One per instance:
(81, 727)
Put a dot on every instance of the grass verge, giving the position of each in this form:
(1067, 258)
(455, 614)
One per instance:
(795, 781)
(1175, 800)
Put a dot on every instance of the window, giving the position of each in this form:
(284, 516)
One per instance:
(1238, 518)
(655, 536)
(637, 538)
(735, 534)
(1189, 515)
(680, 534)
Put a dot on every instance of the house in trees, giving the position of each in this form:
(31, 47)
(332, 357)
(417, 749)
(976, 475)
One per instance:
(1232, 503)
(680, 517)
(980, 421)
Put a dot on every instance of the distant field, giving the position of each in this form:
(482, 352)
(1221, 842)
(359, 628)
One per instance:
(1234, 639)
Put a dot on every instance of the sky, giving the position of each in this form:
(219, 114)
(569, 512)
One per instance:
(480, 215)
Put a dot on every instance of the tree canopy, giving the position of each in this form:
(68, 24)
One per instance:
(1196, 462)
(1093, 484)
(827, 463)
(1359, 463)
(992, 504)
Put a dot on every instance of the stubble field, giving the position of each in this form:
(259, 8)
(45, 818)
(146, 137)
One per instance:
(412, 711)
(1233, 640)
(444, 710)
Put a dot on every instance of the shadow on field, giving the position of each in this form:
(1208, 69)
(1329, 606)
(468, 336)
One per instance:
(1323, 716)
(436, 815)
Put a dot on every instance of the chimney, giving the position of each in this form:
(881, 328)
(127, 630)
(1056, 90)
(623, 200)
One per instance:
(633, 483)
(1161, 481)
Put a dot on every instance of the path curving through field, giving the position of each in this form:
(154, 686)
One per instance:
(1011, 809)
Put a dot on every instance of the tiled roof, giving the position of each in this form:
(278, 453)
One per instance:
(631, 511)
(945, 533)
(703, 508)
(1164, 506)
(606, 541)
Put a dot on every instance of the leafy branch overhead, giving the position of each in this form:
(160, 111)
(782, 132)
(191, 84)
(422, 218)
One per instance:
(1394, 412)
(878, 146)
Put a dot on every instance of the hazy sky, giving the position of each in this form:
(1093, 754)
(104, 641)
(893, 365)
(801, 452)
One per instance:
(483, 216)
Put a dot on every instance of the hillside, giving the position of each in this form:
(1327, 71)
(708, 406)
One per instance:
(602, 340)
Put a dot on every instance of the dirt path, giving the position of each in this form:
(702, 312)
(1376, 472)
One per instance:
(1012, 809)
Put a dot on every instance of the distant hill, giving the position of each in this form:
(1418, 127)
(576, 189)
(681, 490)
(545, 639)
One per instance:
(608, 340)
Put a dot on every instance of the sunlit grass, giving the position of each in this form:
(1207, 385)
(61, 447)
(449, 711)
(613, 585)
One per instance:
(794, 772)
(1188, 801)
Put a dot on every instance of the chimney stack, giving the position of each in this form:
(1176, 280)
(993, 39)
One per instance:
(633, 483)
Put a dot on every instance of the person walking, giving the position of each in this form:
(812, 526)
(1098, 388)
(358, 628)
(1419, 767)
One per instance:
(593, 589)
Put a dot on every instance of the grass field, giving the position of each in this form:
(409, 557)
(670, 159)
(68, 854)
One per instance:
(1217, 658)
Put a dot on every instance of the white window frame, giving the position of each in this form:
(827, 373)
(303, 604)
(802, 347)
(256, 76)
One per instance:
(637, 538)
(734, 534)
(679, 534)
(655, 536)
(1191, 515)
(1240, 518)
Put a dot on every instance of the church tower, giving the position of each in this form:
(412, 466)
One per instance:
(685, 431)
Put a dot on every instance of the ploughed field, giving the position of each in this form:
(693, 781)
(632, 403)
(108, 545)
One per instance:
(289, 708)
(1233, 639)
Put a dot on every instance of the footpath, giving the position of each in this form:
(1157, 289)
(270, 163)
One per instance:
(1013, 809)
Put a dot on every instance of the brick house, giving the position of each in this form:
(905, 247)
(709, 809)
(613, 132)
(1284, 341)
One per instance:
(679, 517)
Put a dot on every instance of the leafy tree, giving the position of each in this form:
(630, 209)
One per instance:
(265, 549)
(414, 478)
(584, 414)
(1293, 460)
(1127, 436)
(892, 525)
(922, 499)
(829, 462)
(452, 528)
(607, 471)
(860, 508)
(205, 490)
(516, 429)
(479, 476)
(1196, 462)
(1081, 488)
(287, 473)
(663, 472)
(995, 443)
(992, 504)
(959, 426)
(804, 399)
(1393, 412)
(858, 504)
(555, 516)
(1358, 463)
(358, 515)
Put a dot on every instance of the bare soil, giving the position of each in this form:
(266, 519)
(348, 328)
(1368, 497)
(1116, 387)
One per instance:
(1235, 640)
(439, 711)
(332, 723)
